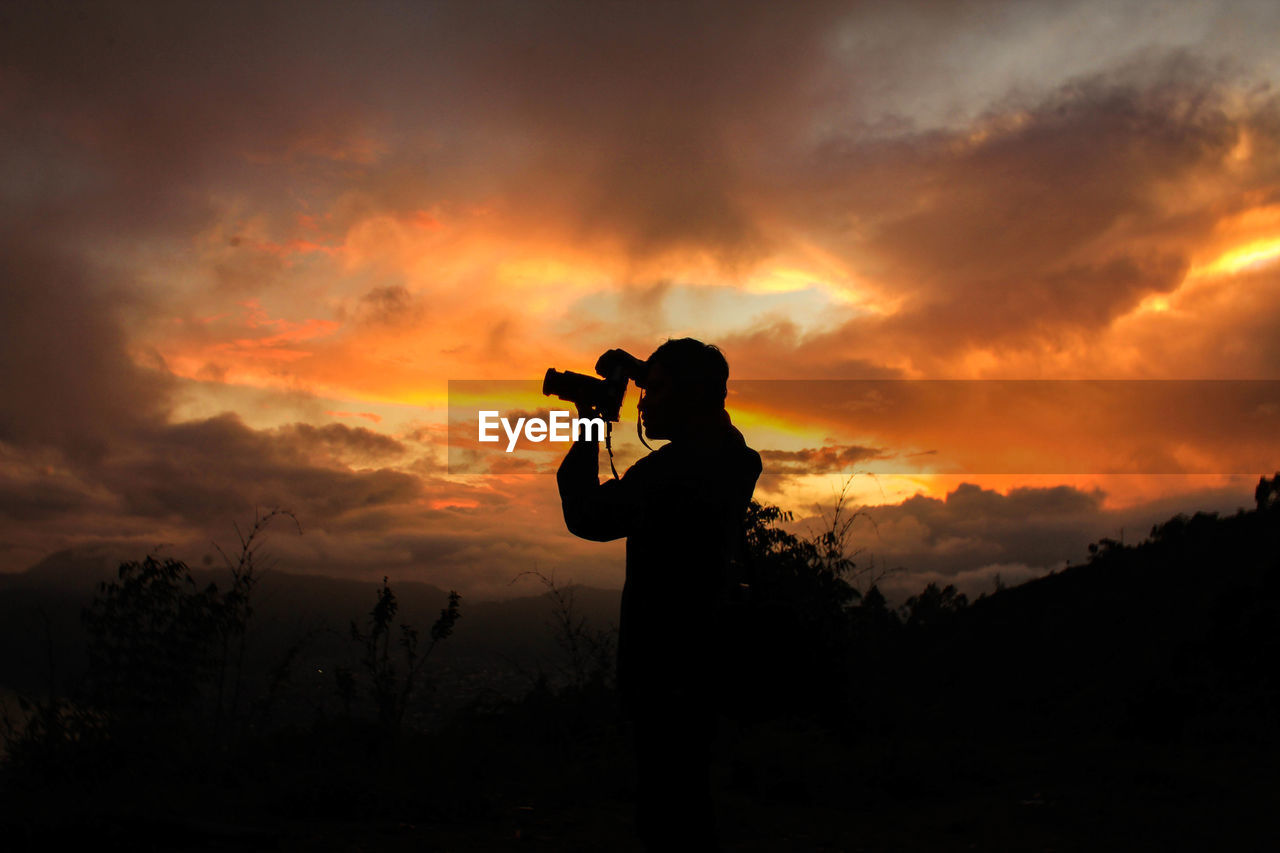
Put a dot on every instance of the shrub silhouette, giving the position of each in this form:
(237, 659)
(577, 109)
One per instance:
(157, 647)
(588, 653)
(391, 690)
(164, 663)
(807, 574)
(1267, 494)
(785, 623)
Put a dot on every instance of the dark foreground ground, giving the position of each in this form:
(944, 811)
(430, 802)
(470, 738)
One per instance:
(779, 786)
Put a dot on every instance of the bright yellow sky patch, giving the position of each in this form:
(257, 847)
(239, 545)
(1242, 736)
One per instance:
(1241, 258)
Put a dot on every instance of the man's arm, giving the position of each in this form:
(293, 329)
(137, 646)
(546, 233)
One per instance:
(594, 510)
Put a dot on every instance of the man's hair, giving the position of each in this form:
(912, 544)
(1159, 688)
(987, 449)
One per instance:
(698, 370)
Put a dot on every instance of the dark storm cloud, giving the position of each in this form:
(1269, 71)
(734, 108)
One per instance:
(641, 118)
(66, 379)
(341, 443)
(42, 498)
(188, 483)
(211, 469)
(632, 122)
(822, 460)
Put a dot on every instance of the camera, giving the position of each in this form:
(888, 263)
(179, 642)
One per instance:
(603, 395)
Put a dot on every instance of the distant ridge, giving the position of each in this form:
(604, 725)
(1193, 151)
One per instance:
(287, 606)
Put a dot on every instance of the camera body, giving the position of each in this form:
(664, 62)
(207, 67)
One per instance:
(604, 394)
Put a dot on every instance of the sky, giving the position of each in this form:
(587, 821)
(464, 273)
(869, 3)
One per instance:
(245, 248)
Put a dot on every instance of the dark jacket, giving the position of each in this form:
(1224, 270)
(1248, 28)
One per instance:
(681, 509)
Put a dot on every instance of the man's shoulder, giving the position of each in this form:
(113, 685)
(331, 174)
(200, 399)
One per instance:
(750, 467)
(743, 457)
(649, 464)
(730, 458)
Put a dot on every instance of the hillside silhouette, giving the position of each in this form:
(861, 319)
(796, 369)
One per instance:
(1129, 702)
(40, 614)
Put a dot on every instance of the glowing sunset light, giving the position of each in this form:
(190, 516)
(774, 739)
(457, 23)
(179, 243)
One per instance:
(771, 426)
(1243, 258)
(1154, 304)
(453, 503)
(291, 280)
(784, 280)
(996, 285)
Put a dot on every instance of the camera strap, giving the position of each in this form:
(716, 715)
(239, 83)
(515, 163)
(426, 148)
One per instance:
(608, 445)
(608, 442)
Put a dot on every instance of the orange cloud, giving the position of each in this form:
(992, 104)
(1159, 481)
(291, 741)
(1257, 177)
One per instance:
(344, 213)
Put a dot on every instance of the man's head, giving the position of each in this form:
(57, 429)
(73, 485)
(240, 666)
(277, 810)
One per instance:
(686, 383)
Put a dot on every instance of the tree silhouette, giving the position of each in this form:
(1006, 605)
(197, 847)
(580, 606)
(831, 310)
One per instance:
(933, 606)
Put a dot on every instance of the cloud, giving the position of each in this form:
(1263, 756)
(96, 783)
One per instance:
(358, 203)
(1040, 227)
(341, 443)
(973, 533)
(68, 381)
(652, 141)
(218, 468)
(390, 305)
(186, 484)
(823, 460)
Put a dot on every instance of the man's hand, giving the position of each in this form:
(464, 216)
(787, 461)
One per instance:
(586, 410)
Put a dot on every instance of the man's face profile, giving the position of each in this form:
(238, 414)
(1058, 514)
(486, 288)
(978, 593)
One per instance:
(657, 403)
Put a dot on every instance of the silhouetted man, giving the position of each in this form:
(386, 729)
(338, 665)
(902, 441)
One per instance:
(681, 509)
